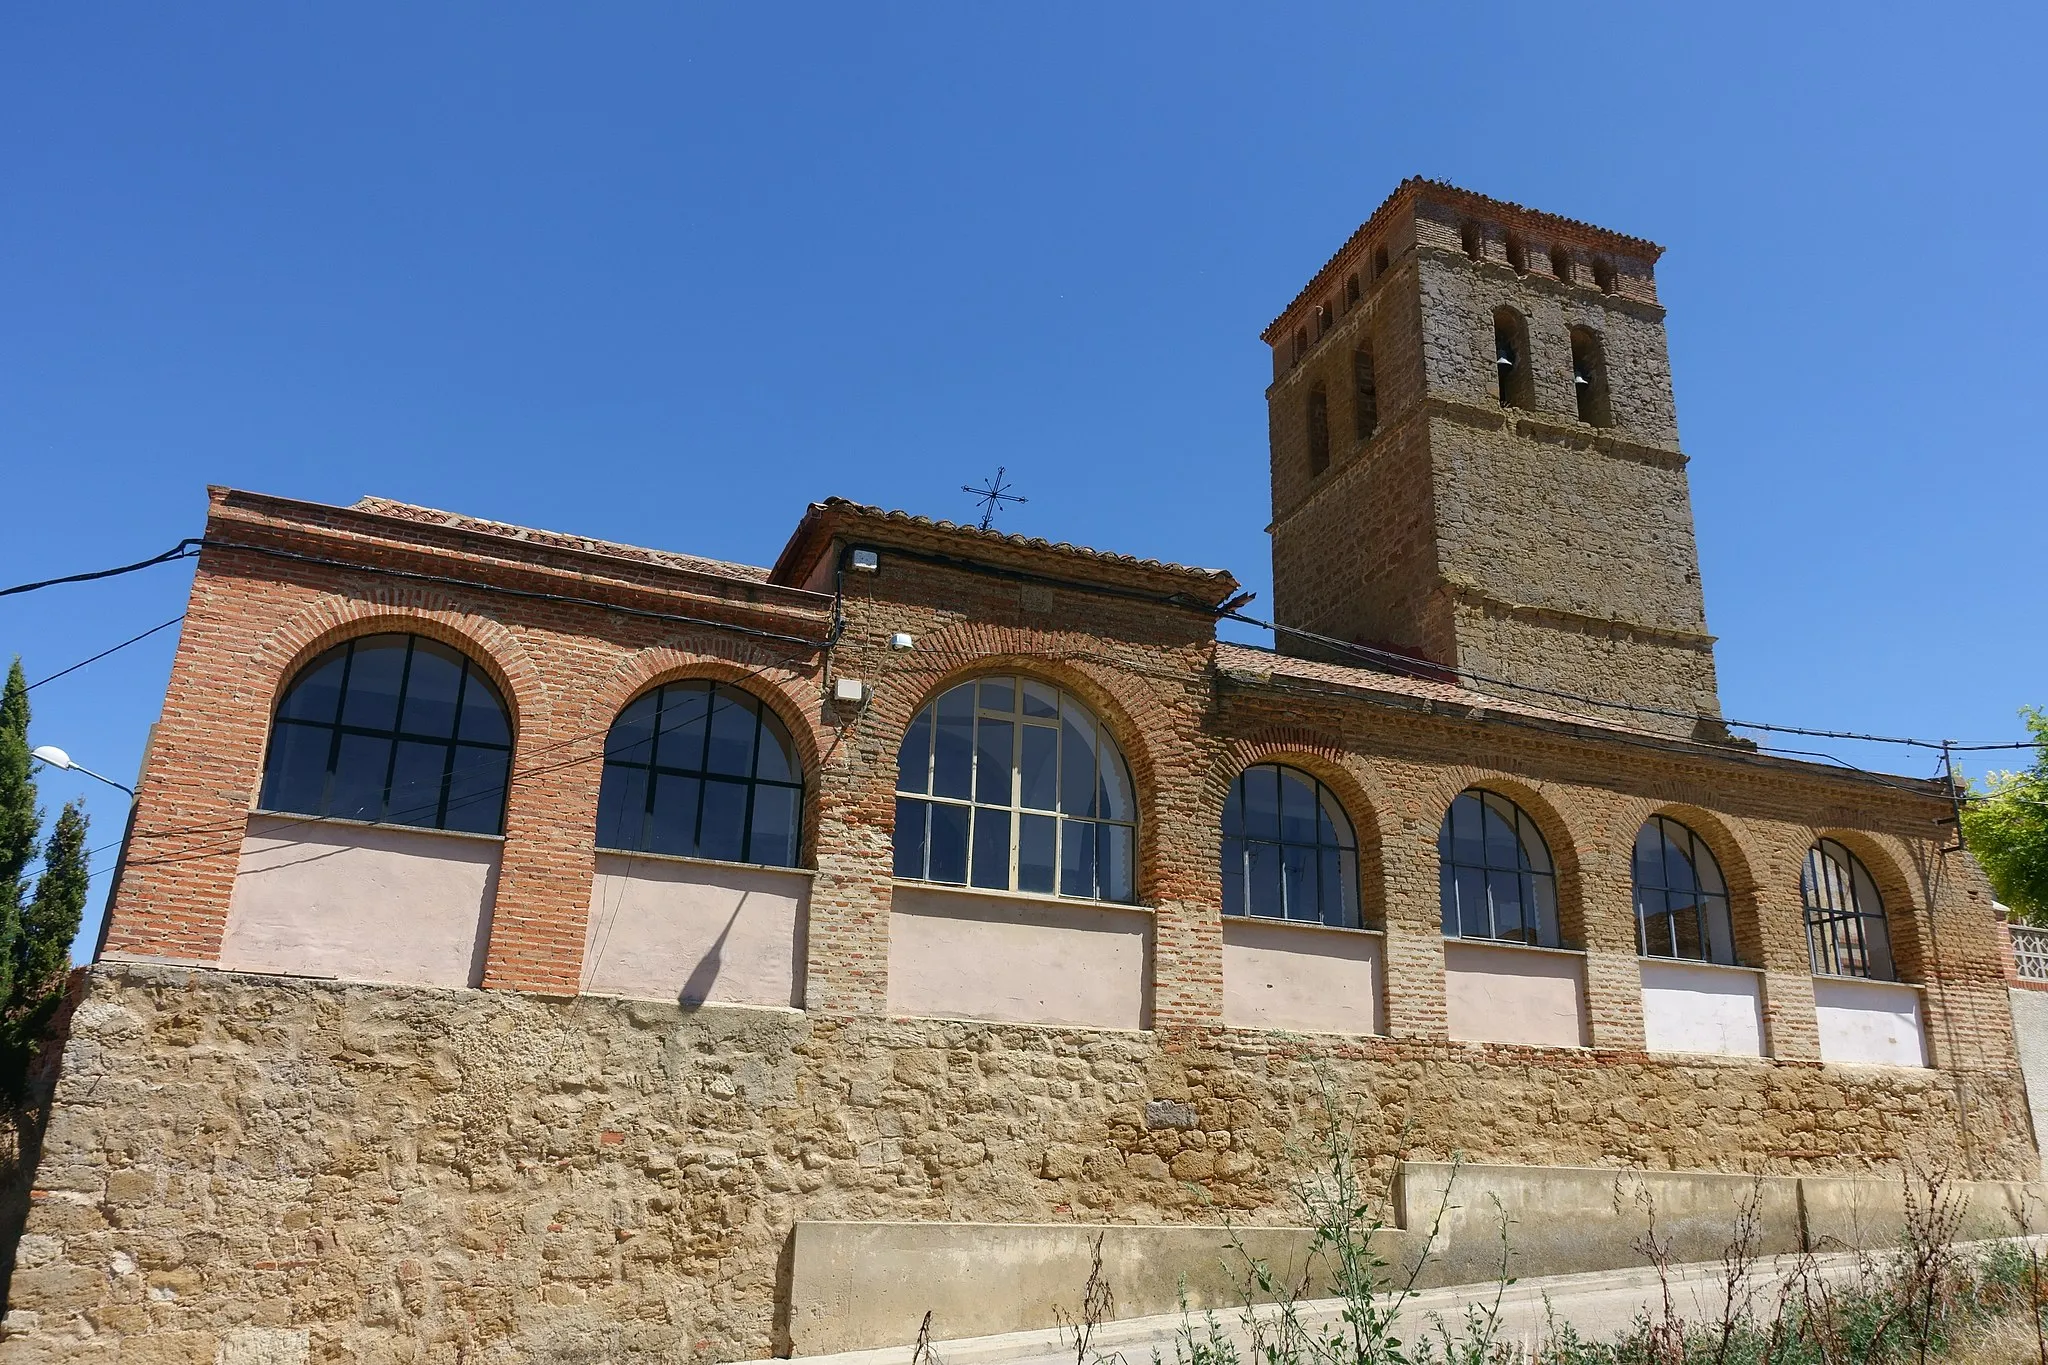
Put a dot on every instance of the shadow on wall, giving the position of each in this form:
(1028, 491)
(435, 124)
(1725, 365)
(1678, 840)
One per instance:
(22, 1124)
(697, 985)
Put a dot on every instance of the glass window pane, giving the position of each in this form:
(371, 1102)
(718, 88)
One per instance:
(1475, 915)
(998, 694)
(621, 807)
(1678, 874)
(1648, 861)
(1297, 808)
(991, 866)
(1544, 923)
(722, 829)
(1467, 823)
(1077, 763)
(1261, 806)
(1330, 904)
(910, 829)
(1040, 700)
(734, 723)
(1114, 782)
(631, 738)
(953, 757)
(914, 756)
(1233, 810)
(1115, 865)
(295, 774)
(1505, 892)
(680, 729)
(316, 693)
(1447, 892)
(374, 676)
(1502, 848)
(360, 768)
(1038, 767)
(483, 710)
(1877, 948)
(1720, 931)
(948, 844)
(1037, 852)
(1298, 862)
(772, 839)
(777, 762)
(431, 689)
(1233, 876)
(1347, 862)
(992, 739)
(1077, 858)
(1262, 880)
(416, 783)
(476, 789)
(672, 824)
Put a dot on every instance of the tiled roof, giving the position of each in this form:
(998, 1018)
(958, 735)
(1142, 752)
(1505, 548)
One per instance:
(432, 516)
(1249, 659)
(1416, 184)
(1220, 582)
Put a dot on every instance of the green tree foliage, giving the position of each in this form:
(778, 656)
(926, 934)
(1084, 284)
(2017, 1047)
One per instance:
(2006, 826)
(36, 928)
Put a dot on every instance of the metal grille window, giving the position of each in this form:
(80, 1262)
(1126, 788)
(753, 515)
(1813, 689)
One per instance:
(1495, 873)
(701, 770)
(1681, 900)
(1846, 931)
(2030, 952)
(1011, 784)
(396, 729)
(1288, 850)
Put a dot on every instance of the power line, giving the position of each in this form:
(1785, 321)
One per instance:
(133, 639)
(184, 549)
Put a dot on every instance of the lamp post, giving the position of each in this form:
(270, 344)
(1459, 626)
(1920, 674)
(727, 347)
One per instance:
(57, 758)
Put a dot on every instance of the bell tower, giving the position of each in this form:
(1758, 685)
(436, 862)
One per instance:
(1475, 460)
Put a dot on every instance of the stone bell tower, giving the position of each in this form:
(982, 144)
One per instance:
(1476, 463)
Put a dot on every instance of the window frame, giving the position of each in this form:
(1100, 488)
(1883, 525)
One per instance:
(1343, 848)
(767, 725)
(1537, 884)
(919, 803)
(1716, 948)
(1842, 957)
(272, 796)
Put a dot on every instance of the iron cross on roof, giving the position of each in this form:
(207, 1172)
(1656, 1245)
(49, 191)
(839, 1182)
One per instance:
(992, 495)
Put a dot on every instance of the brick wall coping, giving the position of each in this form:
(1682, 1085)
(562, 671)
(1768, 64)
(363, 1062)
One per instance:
(1264, 670)
(839, 517)
(348, 531)
(260, 813)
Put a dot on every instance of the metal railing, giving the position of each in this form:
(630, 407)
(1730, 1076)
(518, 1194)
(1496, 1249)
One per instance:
(2030, 952)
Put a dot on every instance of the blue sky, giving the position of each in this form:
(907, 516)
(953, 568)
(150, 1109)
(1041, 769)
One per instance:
(663, 274)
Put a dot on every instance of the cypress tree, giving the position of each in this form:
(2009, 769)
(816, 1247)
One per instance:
(20, 821)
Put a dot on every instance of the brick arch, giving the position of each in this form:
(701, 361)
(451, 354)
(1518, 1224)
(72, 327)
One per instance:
(305, 635)
(1904, 905)
(1139, 723)
(1734, 853)
(1559, 835)
(1357, 787)
(761, 674)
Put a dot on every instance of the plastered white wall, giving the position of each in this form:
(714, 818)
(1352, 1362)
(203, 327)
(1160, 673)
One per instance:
(696, 933)
(1872, 1022)
(1302, 978)
(1499, 993)
(360, 902)
(957, 955)
(1693, 1007)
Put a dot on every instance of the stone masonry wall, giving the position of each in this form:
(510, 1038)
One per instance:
(380, 1174)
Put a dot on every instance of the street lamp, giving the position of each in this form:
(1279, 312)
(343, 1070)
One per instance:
(57, 758)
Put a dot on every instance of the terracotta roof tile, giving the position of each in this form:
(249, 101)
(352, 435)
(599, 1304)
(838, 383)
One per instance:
(432, 516)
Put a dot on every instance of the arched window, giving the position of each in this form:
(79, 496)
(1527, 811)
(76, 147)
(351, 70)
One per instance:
(1681, 901)
(702, 770)
(1495, 873)
(1011, 784)
(1474, 239)
(1589, 377)
(1561, 264)
(1379, 261)
(1511, 358)
(1318, 430)
(1351, 292)
(1845, 926)
(397, 729)
(1288, 850)
(1365, 395)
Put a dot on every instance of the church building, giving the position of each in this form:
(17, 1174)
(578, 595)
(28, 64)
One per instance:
(529, 945)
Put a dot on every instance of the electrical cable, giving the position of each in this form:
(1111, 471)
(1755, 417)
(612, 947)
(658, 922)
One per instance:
(131, 640)
(184, 549)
